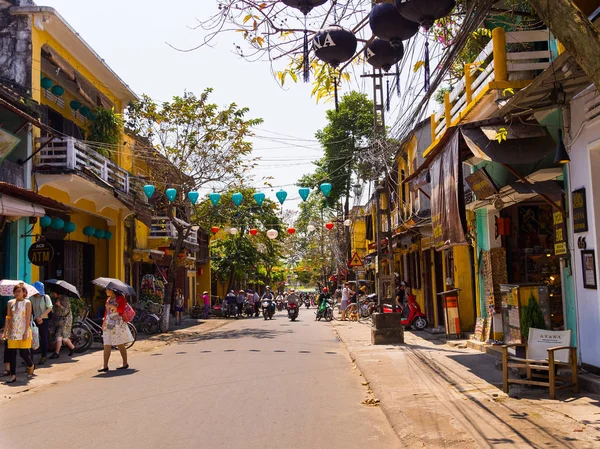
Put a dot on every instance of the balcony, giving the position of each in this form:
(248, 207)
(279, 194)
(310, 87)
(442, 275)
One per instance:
(163, 229)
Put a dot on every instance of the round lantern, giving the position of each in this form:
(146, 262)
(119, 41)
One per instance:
(291, 231)
(57, 90)
(69, 227)
(326, 188)
(389, 25)
(99, 234)
(237, 198)
(329, 226)
(259, 198)
(233, 231)
(305, 6)
(348, 222)
(304, 192)
(310, 228)
(88, 231)
(45, 221)
(272, 234)
(334, 45)
(193, 196)
(57, 223)
(214, 229)
(149, 190)
(382, 55)
(281, 196)
(85, 111)
(75, 105)
(253, 231)
(46, 83)
(171, 194)
(214, 198)
(424, 12)
(108, 235)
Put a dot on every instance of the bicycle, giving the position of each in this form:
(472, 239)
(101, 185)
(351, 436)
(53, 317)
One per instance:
(86, 331)
(146, 319)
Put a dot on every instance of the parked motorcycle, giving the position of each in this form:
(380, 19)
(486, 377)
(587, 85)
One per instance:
(411, 315)
(267, 309)
(292, 309)
(325, 310)
(230, 310)
(248, 308)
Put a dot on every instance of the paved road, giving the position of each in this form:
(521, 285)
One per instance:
(251, 384)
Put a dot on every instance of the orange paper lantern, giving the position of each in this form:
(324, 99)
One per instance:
(329, 226)
(214, 229)
(253, 231)
(291, 231)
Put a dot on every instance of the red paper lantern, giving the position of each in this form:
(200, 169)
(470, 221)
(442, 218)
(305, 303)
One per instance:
(214, 229)
(291, 231)
(253, 231)
(329, 226)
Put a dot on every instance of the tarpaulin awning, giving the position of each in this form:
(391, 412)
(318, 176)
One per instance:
(29, 196)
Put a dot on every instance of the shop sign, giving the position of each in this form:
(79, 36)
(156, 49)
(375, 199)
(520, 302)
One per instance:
(8, 142)
(40, 253)
(580, 223)
(560, 232)
(481, 184)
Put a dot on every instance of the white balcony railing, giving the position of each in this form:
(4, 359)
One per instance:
(162, 228)
(72, 154)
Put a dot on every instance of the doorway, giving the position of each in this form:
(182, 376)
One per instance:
(427, 287)
(439, 286)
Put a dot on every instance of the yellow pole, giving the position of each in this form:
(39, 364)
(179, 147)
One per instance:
(433, 126)
(447, 109)
(499, 47)
(468, 83)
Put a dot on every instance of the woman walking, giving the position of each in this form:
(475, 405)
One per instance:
(18, 332)
(179, 300)
(115, 331)
(62, 321)
(41, 305)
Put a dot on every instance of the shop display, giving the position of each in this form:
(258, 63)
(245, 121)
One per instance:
(152, 289)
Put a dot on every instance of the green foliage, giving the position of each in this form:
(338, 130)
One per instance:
(106, 127)
(531, 316)
(77, 306)
(441, 92)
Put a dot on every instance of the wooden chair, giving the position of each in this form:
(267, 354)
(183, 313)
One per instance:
(546, 351)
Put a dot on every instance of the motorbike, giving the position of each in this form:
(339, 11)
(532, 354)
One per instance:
(325, 310)
(367, 306)
(267, 309)
(279, 305)
(248, 308)
(292, 309)
(230, 310)
(411, 315)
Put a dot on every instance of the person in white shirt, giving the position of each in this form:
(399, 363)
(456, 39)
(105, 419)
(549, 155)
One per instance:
(292, 297)
(346, 292)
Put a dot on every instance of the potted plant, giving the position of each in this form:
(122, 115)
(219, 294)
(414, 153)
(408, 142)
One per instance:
(105, 127)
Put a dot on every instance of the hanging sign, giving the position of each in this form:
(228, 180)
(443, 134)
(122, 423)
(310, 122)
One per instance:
(560, 232)
(40, 253)
(481, 184)
(8, 142)
(356, 261)
(580, 223)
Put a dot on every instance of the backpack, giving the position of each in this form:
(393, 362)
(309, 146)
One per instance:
(128, 313)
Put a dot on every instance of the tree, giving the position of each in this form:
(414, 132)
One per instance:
(191, 143)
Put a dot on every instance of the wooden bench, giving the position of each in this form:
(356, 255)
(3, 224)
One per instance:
(546, 351)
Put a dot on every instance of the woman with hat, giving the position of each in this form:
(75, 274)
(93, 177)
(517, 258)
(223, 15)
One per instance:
(206, 300)
(42, 306)
(115, 331)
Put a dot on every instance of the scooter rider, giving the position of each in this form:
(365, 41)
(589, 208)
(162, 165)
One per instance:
(240, 301)
(231, 301)
(323, 299)
(268, 296)
(292, 297)
(401, 299)
(256, 304)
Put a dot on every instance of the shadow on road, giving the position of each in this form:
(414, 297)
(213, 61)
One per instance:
(227, 334)
(116, 373)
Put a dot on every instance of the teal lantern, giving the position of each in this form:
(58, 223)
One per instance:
(149, 190)
(214, 198)
(45, 221)
(99, 234)
(326, 188)
(85, 111)
(108, 235)
(75, 105)
(259, 198)
(237, 198)
(57, 223)
(58, 90)
(281, 196)
(304, 191)
(70, 227)
(88, 231)
(46, 83)
(171, 194)
(193, 196)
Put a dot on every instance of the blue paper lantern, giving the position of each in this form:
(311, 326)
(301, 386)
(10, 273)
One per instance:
(214, 198)
(108, 235)
(149, 190)
(57, 90)
(99, 234)
(45, 221)
(46, 83)
(281, 196)
(88, 231)
(171, 194)
(70, 227)
(85, 111)
(259, 198)
(57, 223)
(304, 191)
(193, 196)
(237, 198)
(75, 105)
(326, 188)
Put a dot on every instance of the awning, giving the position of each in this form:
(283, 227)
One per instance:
(147, 255)
(29, 197)
(12, 207)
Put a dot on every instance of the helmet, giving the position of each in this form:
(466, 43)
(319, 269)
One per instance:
(241, 291)
(267, 287)
(325, 290)
(39, 287)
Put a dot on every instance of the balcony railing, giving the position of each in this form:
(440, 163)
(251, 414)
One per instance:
(162, 228)
(495, 68)
(69, 153)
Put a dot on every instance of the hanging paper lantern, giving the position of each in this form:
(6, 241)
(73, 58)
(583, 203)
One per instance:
(108, 235)
(88, 231)
(171, 194)
(99, 234)
(382, 55)
(69, 227)
(57, 90)
(75, 105)
(57, 223)
(326, 188)
(272, 234)
(281, 196)
(348, 222)
(237, 198)
(214, 198)
(46, 83)
(214, 229)
(149, 190)
(193, 196)
(424, 12)
(291, 231)
(85, 111)
(45, 221)
(334, 45)
(310, 228)
(304, 192)
(233, 231)
(389, 25)
(259, 198)
(329, 226)
(253, 231)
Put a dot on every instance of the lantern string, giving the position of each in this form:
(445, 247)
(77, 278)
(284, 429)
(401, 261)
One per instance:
(397, 80)
(427, 72)
(387, 94)
(335, 90)
(305, 57)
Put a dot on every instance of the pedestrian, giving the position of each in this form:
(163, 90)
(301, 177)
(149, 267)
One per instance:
(179, 300)
(240, 301)
(345, 300)
(61, 323)
(115, 331)
(41, 305)
(256, 304)
(206, 300)
(17, 332)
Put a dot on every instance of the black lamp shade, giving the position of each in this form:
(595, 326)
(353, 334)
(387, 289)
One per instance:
(561, 156)
(305, 6)
(382, 55)
(424, 12)
(334, 45)
(387, 24)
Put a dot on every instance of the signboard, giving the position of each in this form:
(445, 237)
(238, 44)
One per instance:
(446, 219)
(452, 317)
(481, 184)
(580, 223)
(560, 232)
(8, 142)
(479, 325)
(40, 253)
(356, 261)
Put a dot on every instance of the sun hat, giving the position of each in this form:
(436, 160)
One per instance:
(39, 287)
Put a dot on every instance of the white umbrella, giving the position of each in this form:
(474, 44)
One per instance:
(7, 286)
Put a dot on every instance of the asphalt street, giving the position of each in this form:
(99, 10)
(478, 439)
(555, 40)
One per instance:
(250, 384)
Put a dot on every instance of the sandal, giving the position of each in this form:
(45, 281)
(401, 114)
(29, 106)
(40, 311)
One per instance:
(5, 373)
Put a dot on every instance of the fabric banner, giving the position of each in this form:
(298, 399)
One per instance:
(446, 219)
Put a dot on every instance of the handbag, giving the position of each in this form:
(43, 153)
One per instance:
(128, 313)
(35, 336)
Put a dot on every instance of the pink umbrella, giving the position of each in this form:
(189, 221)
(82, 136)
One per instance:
(7, 286)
